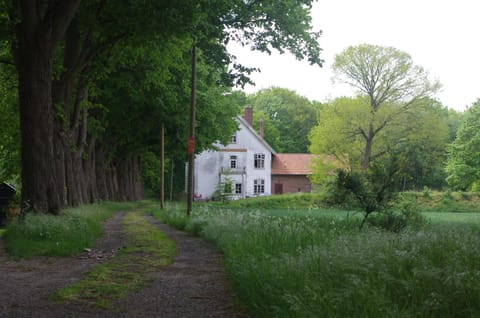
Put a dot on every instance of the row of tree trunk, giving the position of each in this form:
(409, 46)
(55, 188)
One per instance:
(62, 165)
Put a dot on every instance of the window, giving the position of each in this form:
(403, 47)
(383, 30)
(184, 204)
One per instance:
(233, 162)
(234, 139)
(238, 188)
(259, 161)
(258, 186)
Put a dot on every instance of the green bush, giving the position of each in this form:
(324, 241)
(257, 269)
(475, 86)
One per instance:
(427, 193)
(403, 214)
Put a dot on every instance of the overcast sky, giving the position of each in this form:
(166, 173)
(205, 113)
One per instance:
(441, 35)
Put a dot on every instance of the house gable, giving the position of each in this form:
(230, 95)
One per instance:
(245, 163)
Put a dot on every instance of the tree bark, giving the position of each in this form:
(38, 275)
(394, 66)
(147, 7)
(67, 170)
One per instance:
(41, 26)
(368, 148)
(39, 188)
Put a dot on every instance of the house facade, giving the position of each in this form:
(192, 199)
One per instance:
(242, 168)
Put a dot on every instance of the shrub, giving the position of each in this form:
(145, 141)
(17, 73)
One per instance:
(404, 213)
(427, 193)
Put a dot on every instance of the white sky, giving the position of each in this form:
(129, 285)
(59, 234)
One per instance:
(441, 35)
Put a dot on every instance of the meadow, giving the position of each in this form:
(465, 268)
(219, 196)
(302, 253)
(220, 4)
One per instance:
(314, 262)
(291, 257)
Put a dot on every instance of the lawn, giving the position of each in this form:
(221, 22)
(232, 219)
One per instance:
(315, 263)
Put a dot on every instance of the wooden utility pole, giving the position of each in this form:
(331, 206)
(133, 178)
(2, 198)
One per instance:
(172, 169)
(191, 139)
(162, 173)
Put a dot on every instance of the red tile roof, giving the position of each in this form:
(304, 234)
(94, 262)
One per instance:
(292, 164)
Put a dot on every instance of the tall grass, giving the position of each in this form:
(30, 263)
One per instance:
(317, 264)
(59, 235)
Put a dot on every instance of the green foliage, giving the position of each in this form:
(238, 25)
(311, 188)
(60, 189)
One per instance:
(335, 133)
(290, 116)
(62, 235)
(372, 190)
(285, 201)
(401, 215)
(457, 202)
(416, 138)
(426, 193)
(463, 165)
(10, 125)
(270, 131)
(390, 85)
(120, 69)
(316, 263)
(420, 138)
(384, 74)
(151, 173)
(224, 188)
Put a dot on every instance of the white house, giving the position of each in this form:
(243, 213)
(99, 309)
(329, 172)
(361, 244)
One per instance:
(245, 164)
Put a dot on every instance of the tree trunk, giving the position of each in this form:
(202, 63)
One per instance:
(39, 183)
(368, 148)
(101, 173)
(40, 29)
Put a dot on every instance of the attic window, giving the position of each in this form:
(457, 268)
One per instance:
(234, 139)
(259, 161)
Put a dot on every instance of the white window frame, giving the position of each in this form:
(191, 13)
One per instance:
(259, 186)
(233, 162)
(238, 188)
(233, 140)
(259, 161)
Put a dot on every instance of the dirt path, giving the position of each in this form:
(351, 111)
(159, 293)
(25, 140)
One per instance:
(195, 285)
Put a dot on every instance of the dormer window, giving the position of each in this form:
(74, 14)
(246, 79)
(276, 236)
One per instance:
(234, 139)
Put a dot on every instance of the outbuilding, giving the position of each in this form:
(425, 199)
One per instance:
(7, 194)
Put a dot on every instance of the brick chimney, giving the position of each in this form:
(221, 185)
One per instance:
(248, 116)
(261, 128)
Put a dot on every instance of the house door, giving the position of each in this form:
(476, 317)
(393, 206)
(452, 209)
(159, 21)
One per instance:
(278, 188)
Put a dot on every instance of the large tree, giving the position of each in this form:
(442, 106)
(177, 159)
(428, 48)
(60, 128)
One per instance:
(62, 48)
(385, 75)
(39, 27)
(416, 141)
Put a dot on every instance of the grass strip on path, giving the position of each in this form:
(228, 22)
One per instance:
(66, 234)
(147, 251)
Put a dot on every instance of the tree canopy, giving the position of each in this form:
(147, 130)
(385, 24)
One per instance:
(386, 76)
(463, 165)
(417, 139)
(288, 118)
(95, 78)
